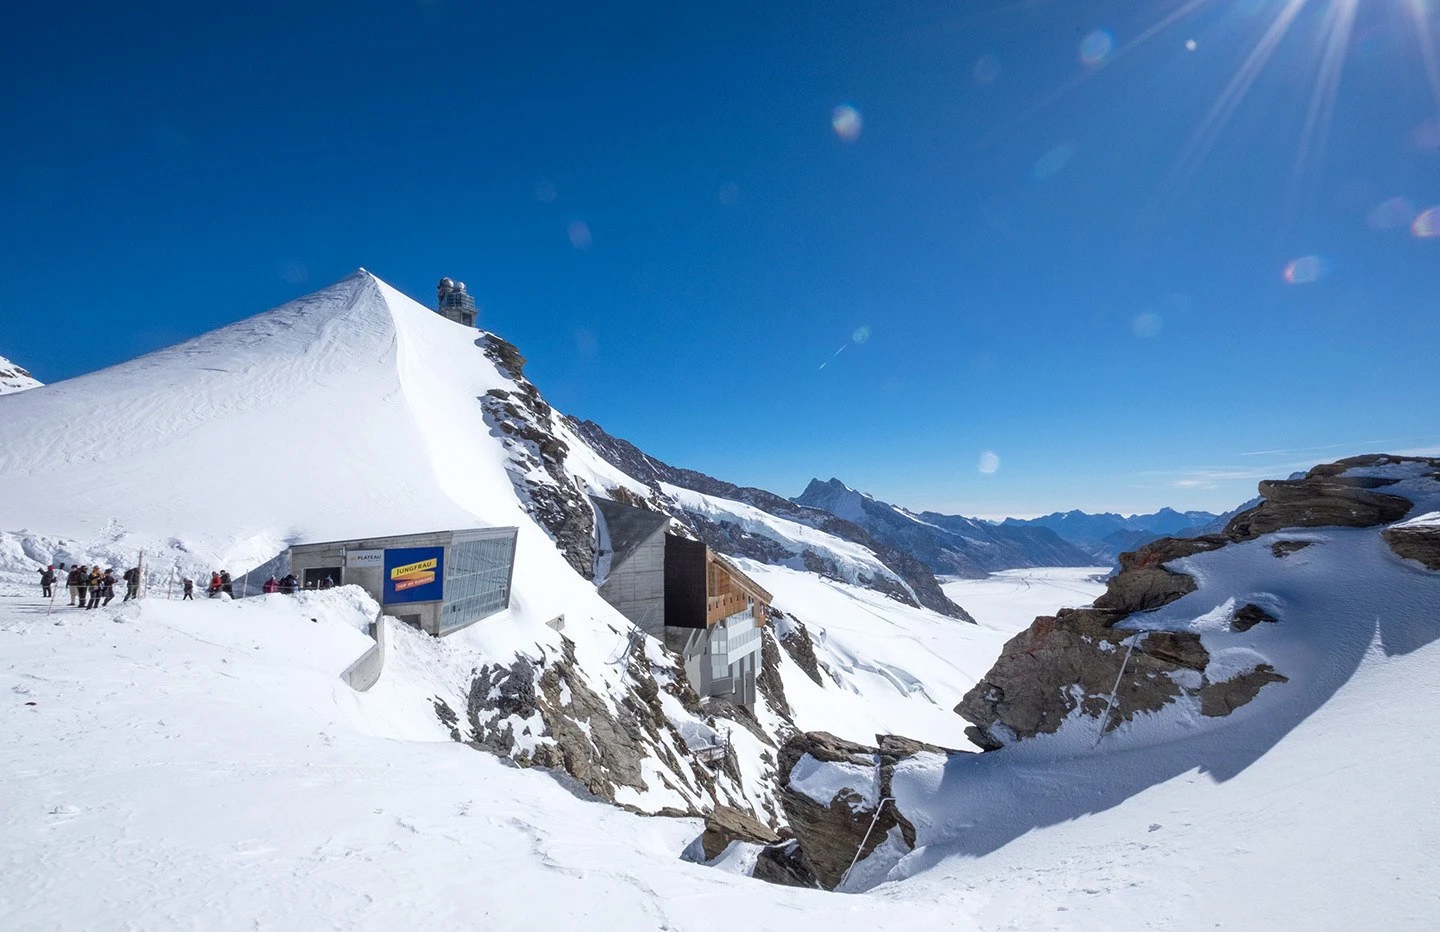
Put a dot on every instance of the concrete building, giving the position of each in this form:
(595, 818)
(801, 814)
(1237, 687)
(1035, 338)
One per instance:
(454, 302)
(679, 590)
(438, 582)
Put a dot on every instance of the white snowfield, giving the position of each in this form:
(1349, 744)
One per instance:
(1011, 599)
(201, 766)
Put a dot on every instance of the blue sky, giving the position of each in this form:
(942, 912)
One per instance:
(1059, 257)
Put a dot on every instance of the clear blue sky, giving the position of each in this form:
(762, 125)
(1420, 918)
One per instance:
(1057, 261)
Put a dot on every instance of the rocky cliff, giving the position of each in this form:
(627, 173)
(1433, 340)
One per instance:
(1111, 661)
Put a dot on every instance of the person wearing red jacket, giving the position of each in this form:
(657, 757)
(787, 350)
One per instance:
(213, 589)
(271, 585)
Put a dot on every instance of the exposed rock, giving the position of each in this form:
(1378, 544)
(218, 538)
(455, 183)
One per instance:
(782, 864)
(726, 824)
(1074, 659)
(830, 834)
(528, 428)
(1248, 616)
(1180, 648)
(1420, 543)
(801, 648)
(769, 682)
(1283, 548)
(1222, 698)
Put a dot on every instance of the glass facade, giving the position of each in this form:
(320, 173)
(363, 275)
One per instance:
(477, 579)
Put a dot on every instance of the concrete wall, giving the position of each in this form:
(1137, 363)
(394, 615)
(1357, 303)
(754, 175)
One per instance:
(424, 615)
(365, 672)
(637, 587)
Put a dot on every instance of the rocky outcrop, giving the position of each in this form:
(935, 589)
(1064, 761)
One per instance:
(726, 824)
(833, 833)
(530, 431)
(1283, 548)
(781, 864)
(548, 713)
(1073, 659)
(15, 379)
(1420, 543)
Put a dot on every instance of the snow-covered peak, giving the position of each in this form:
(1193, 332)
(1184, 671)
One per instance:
(835, 497)
(15, 379)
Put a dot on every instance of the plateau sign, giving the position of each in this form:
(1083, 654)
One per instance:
(364, 559)
(414, 574)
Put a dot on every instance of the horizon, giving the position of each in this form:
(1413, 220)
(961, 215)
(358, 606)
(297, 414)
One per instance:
(960, 260)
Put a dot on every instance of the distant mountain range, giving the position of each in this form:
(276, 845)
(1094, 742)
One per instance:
(950, 545)
(1107, 535)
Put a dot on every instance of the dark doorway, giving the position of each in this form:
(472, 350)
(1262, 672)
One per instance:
(317, 576)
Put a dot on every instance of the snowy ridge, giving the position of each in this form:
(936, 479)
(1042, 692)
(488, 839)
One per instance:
(15, 379)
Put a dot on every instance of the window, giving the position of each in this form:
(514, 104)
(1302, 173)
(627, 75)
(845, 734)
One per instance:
(477, 579)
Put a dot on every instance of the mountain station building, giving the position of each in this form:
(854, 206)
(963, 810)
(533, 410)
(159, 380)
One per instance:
(681, 591)
(439, 582)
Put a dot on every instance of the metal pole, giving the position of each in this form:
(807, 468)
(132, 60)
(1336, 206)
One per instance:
(140, 587)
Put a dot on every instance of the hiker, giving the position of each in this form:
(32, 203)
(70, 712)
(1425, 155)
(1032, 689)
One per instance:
(271, 586)
(225, 585)
(213, 590)
(189, 585)
(95, 583)
(132, 583)
(47, 581)
(327, 583)
(107, 586)
(289, 584)
(75, 581)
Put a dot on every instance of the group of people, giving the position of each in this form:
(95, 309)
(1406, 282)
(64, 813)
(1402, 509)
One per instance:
(94, 587)
(90, 586)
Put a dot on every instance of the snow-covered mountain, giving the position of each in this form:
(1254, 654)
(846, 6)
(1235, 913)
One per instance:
(356, 412)
(949, 545)
(15, 379)
(1106, 535)
(1236, 733)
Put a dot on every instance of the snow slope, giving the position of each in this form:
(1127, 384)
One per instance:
(201, 765)
(1310, 807)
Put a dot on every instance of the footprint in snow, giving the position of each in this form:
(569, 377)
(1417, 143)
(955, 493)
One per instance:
(1154, 826)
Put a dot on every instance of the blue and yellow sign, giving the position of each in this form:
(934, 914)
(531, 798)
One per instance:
(414, 574)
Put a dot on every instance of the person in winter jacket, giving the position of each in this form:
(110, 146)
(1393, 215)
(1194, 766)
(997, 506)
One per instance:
(95, 584)
(225, 585)
(107, 586)
(289, 584)
(189, 585)
(132, 583)
(327, 583)
(213, 590)
(47, 581)
(270, 586)
(76, 582)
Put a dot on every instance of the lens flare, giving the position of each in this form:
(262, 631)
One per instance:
(579, 233)
(1051, 162)
(1096, 46)
(1394, 214)
(1147, 325)
(989, 463)
(1427, 223)
(1191, 45)
(845, 120)
(1304, 270)
(861, 334)
(987, 69)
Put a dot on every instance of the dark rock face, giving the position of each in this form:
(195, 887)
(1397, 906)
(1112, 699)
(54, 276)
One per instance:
(1217, 699)
(829, 835)
(1075, 657)
(527, 426)
(552, 700)
(734, 542)
(801, 648)
(726, 824)
(1421, 544)
(769, 682)
(1283, 548)
(1248, 616)
(781, 864)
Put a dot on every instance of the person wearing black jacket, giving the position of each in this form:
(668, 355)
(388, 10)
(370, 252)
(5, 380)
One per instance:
(76, 582)
(132, 583)
(107, 587)
(225, 584)
(47, 581)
